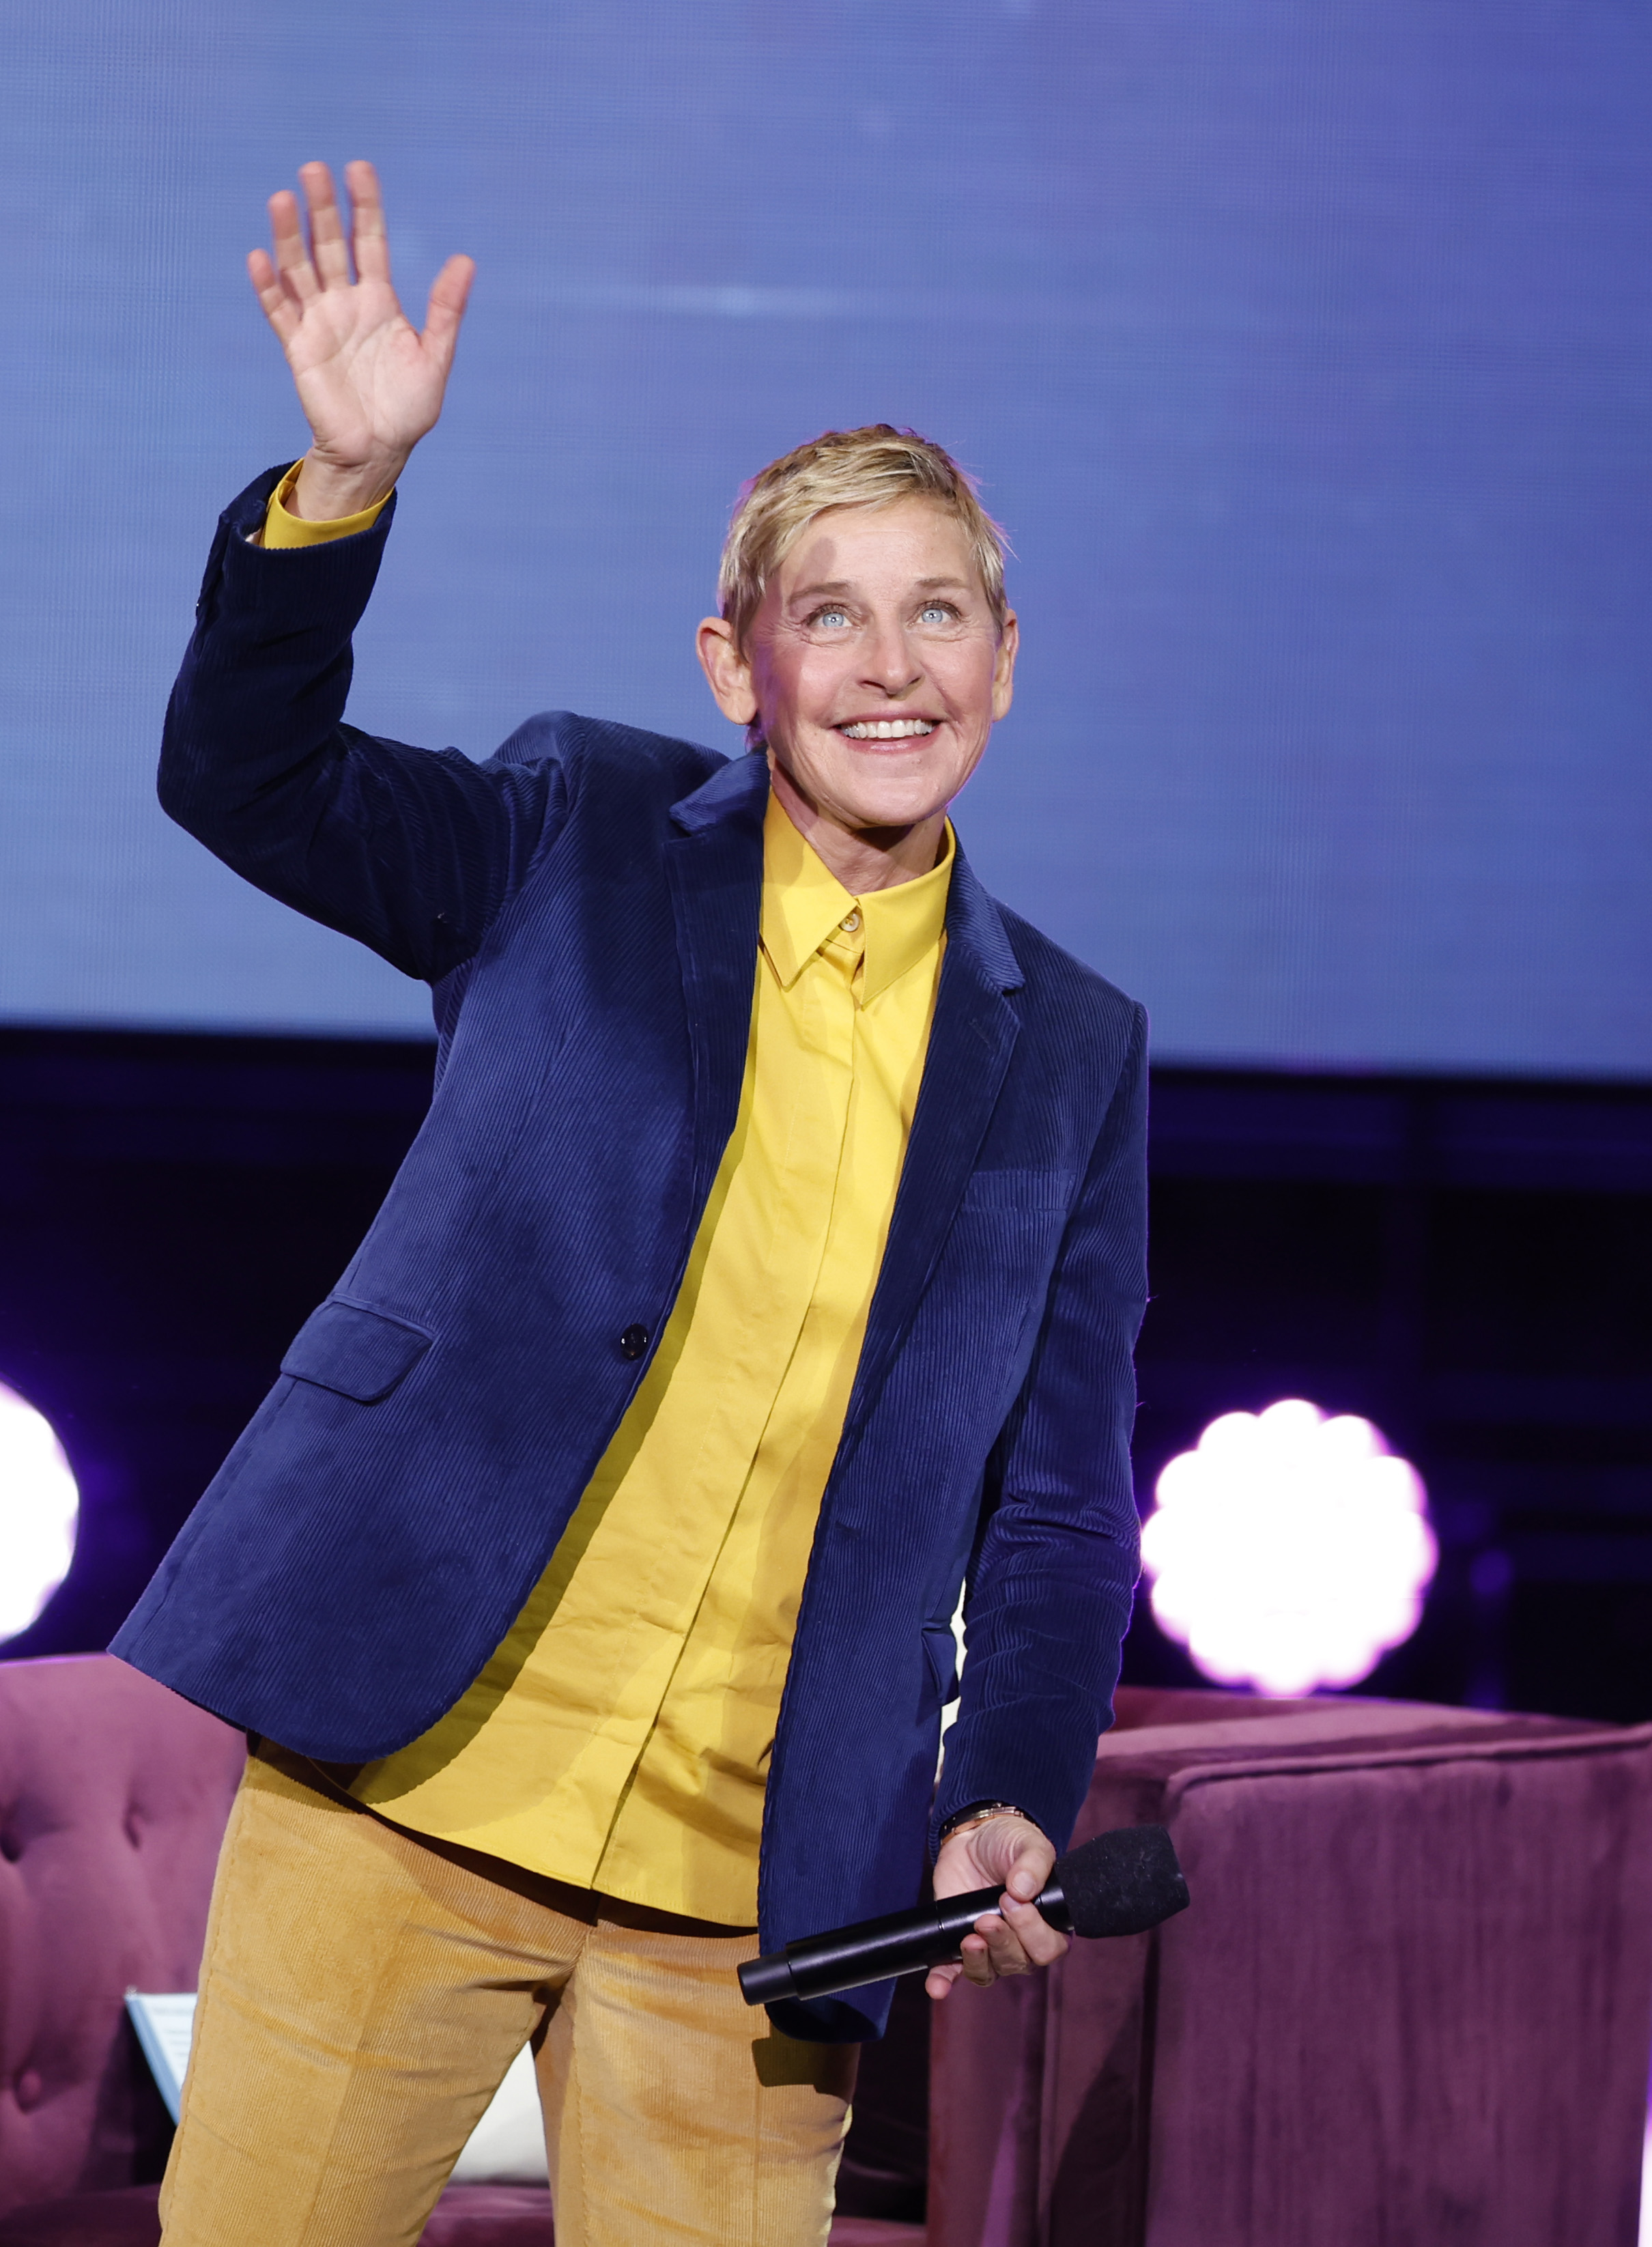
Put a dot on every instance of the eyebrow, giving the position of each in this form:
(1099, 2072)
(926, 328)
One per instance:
(846, 585)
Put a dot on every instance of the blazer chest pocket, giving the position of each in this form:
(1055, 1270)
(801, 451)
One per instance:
(1020, 1194)
(355, 1352)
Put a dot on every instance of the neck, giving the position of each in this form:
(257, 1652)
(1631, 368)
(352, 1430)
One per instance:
(863, 858)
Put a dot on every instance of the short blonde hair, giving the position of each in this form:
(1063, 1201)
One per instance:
(847, 467)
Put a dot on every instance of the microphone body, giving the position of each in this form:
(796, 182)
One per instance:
(1120, 1883)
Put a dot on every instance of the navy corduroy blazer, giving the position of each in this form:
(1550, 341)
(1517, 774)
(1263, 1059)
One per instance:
(586, 907)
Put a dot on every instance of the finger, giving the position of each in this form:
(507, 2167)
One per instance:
(1040, 1944)
(1022, 1947)
(1001, 1951)
(939, 1980)
(368, 238)
(329, 250)
(975, 1954)
(1029, 1873)
(449, 293)
(279, 308)
(1024, 1857)
(292, 254)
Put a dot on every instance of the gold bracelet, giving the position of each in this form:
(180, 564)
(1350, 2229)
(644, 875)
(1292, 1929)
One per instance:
(979, 1814)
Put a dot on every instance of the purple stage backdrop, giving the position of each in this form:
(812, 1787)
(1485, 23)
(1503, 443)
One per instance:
(1302, 344)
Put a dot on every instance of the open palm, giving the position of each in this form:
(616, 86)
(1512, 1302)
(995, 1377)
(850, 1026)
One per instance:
(370, 384)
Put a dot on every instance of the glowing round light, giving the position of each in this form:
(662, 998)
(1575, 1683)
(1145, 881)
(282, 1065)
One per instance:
(1290, 1550)
(38, 1508)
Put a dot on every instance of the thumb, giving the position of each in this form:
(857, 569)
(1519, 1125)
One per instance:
(1023, 1858)
(1028, 1876)
(449, 293)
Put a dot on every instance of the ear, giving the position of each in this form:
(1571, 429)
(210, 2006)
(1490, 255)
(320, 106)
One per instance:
(726, 670)
(1009, 642)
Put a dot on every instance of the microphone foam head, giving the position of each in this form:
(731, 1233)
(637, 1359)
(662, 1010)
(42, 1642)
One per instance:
(1123, 1882)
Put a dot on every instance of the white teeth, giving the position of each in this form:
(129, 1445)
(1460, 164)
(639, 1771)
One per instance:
(888, 729)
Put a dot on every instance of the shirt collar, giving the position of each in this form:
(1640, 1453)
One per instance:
(804, 902)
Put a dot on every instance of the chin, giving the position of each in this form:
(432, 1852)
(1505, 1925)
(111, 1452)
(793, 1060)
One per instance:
(860, 790)
(869, 814)
(891, 823)
(894, 799)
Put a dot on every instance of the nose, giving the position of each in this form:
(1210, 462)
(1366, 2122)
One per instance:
(890, 664)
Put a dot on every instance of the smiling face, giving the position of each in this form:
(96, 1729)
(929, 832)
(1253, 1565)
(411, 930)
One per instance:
(875, 667)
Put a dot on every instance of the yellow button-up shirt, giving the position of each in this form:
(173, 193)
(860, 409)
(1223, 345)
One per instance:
(619, 1738)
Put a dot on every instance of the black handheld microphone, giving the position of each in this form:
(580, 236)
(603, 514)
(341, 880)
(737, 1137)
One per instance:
(1120, 1883)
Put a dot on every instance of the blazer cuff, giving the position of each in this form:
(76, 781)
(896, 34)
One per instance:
(280, 529)
(297, 588)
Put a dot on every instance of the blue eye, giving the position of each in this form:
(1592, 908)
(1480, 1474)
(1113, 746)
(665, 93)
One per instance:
(936, 613)
(832, 617)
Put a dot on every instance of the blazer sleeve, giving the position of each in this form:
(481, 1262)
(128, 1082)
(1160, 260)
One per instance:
(1056, 1561)
(411, 851)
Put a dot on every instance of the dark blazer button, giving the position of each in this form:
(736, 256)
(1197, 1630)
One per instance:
(633, 1341)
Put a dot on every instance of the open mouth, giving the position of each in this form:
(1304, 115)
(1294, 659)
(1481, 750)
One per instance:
(888, 729)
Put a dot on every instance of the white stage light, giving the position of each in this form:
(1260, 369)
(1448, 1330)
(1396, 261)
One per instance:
(1290, 1550)
(39, 1505)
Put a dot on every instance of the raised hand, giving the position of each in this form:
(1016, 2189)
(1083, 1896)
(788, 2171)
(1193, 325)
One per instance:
(371, 385)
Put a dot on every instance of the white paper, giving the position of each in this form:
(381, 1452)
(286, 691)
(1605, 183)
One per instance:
(507, 2147)
(165, 2024)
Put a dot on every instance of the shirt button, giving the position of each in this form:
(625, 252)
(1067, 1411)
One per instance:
(849, 923)
(633, 1341)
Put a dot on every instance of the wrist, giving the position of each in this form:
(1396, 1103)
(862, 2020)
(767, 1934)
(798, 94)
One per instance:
(979, 1814)
(328, 491)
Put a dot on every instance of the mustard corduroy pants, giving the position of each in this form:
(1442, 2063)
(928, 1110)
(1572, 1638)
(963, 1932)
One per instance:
(363, 1993)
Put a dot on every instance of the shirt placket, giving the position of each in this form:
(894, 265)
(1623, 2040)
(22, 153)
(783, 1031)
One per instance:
(822, 1010)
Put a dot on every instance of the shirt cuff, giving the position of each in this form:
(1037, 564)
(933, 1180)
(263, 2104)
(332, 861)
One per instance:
(281, 529)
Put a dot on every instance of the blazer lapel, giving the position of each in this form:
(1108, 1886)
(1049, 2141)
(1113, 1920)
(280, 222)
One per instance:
(969, 1043)
(714, 863)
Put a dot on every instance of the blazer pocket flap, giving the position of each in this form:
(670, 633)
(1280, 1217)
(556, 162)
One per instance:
(354, 1351)
(1021, 1193)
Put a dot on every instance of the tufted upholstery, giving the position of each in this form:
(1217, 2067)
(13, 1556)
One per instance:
(114, 1796)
